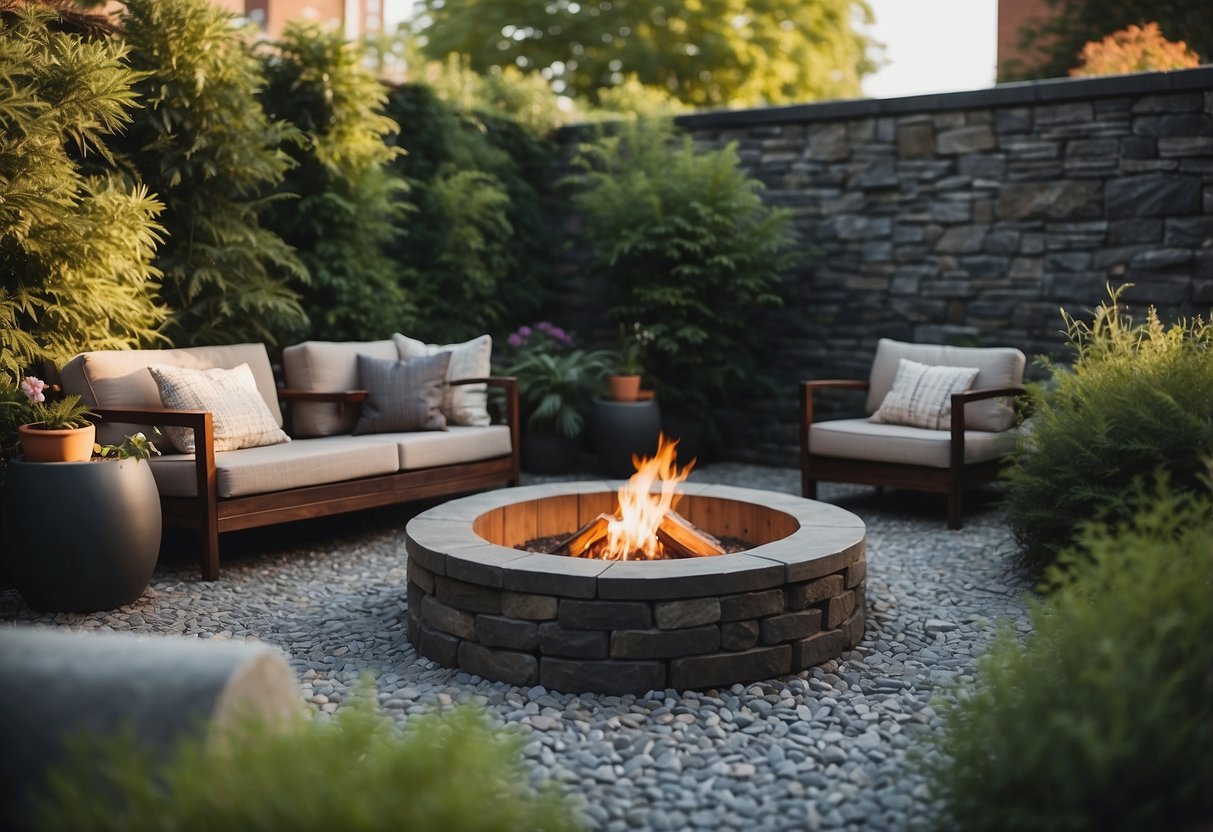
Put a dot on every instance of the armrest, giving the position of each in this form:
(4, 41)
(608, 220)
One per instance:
(986, 393)
(959, 400)
(807, 388)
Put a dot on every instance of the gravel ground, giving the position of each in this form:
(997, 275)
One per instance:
(824, 749)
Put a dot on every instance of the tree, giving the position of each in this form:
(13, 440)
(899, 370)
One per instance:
(75, 250)
(1061, 34)
(1134, 49)
(707, 53)
(205, 146)
(349, 200)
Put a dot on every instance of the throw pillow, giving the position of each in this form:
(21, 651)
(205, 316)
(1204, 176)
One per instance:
(402, 395)
(921, 395)
(464, 404)
(240, 416)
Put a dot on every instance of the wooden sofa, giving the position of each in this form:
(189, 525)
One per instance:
(319, 475)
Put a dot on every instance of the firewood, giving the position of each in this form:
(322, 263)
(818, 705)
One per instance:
(683, 539)
(579, 542)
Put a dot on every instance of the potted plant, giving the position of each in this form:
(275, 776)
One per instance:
(83, 535)
(555, 380)
(625, 381)
(54, 431)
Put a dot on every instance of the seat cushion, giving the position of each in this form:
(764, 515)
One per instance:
(863, 439)
(454, 445)
(120, 378)
(996, 366)
(300, 463)
(464, 404)
(327, 367)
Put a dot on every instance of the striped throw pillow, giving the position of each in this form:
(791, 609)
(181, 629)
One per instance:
(402, 395)
(921, 395)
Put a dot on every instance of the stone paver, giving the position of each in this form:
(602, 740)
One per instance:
(820, 749)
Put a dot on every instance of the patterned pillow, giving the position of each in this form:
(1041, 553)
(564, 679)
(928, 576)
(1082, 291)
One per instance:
(402, 395)
(465, 404)
(240, 416)
(921, 395)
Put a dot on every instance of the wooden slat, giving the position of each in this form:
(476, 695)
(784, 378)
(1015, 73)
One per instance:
(591, 505)
(489, 525)
(557, 515)
(520, 522)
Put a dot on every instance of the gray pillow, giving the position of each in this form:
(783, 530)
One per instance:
(402, 395)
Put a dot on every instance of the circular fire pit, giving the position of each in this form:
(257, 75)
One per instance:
(793, 600)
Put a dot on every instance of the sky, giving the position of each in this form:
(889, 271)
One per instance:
(930, 45)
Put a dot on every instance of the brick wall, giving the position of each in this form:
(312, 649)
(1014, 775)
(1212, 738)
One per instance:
(971, 218)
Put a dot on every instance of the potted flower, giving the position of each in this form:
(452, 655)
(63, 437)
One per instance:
(625, 381)
(555, 380)
(54, 431)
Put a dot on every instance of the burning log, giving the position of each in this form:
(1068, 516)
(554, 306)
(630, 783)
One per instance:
(683, 539)
(578, 544)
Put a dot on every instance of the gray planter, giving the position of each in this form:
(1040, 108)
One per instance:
(82, 536)
(621, 429)
(546, 454)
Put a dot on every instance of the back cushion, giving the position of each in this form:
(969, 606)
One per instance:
(120, 378)
(327, 367)
(997, 367)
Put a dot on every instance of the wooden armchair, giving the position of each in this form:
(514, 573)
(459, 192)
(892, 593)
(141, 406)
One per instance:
(964, 457)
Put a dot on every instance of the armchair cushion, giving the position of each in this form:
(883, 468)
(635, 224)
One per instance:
(465, 404)
(241, 418)
(997, 367)
(402, 395)
(877, 442)
(921, 395)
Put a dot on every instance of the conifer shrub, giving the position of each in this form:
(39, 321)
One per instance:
(76, 242)
(349, 204)
(689, 252)
(1139, 398)
(1102, 718)
(354, 772)
(205, 147)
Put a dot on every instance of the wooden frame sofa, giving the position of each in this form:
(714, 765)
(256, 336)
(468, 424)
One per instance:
(966, 456)
(327, 472)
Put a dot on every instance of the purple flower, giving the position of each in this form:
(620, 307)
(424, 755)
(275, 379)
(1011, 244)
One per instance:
(515, 340)
(525, 331)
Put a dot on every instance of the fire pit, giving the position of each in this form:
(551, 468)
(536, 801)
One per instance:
(792, 600)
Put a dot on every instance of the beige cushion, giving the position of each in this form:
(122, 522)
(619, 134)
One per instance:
(327, 367)
(458, 444)
(119, 378)
(863, 439)
(465, 404)
(997, 367)
(402, 395)
(279, 467)
(239, 417)
(921, 396)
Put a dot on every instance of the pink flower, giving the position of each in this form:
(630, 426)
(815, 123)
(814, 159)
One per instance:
(32, 388)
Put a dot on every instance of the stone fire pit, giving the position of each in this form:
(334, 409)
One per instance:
(793, 600)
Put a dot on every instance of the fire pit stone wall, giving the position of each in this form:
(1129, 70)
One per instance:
(614, 627)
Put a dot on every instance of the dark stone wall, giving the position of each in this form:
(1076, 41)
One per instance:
(972, 218)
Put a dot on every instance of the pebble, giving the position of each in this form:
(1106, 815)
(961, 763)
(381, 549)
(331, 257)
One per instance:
(824, 749)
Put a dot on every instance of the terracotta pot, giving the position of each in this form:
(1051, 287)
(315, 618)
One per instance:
(69, 445)
(624, 388)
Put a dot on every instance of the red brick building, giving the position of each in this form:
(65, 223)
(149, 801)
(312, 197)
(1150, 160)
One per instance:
(354, 18)
(1012, 16)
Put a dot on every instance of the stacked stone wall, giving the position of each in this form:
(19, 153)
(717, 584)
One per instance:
(972, 219)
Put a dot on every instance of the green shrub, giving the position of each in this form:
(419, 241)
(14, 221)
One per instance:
(1103, 718)
(203, 144)
(75, 250)
(1139, 398)
(690, 252)
(350, 204)
(354, 772)
(476, 250)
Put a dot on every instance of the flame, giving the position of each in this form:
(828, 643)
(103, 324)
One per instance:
(632, 535)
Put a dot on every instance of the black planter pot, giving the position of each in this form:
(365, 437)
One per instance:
(82, 536)
(622, 429)
(546, 454)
